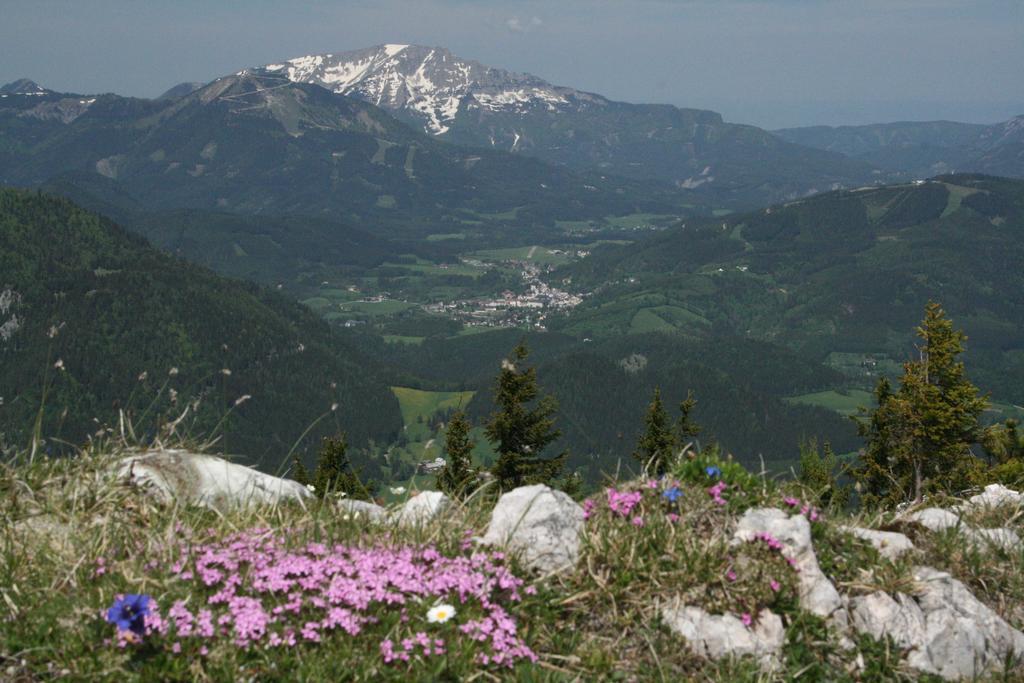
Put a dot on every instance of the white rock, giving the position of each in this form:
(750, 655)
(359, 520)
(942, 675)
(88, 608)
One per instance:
(717, 636)
(934, 519)
(205, 479)
(937, 519)
(422, 508)
(817, 594)
(889, 544)
(945, 629)
(994, 496)
(541, 525)
(1006, 539)
(360, 509)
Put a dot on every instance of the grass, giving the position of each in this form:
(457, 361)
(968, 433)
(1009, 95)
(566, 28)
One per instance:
(74, 537)
(403, 339)
(535, 254)
(417, 404)
(845, 402)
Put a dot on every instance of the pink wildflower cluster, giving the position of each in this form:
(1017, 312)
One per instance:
(716, 492)
(623, 502)
(775, 545)
(260, 593)
(428, 646)
(806, 509)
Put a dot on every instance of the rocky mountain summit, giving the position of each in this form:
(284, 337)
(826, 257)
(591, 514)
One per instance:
(468, 103)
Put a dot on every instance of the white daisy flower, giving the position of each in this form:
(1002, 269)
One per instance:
(439, 614)
(311, 488)
(397, 490)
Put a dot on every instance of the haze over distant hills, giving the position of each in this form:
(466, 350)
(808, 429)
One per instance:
(926, 148)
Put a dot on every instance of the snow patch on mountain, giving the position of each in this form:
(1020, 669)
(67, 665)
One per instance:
(430, 85)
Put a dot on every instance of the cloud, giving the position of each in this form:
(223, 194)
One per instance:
(516, 25)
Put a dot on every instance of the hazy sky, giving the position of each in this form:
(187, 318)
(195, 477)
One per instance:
(773, 63)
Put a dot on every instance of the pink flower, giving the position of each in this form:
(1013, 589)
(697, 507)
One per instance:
(775, 586)
(638, 521)
(731, 575)
(791, 501)
(747, 620)
(672, 517)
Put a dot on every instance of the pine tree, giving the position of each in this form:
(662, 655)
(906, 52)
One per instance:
(919, 438)
(819, 472)
(299, 471)
(657, 445)
(334, 473)
(686, 428)
(520, 432)
(458, 476)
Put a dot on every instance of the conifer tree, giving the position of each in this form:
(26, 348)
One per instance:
(819, 471)
(657, 444)
(458, 476)
(919, 437)
(299, 471)
(334, 473)
(522, 426)
(686, 428)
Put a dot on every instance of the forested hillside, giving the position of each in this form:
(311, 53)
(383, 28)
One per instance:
(95, 321)
(841, 277)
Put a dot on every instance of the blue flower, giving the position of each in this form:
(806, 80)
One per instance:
(712, 471)
(672, 494)
(129, 613)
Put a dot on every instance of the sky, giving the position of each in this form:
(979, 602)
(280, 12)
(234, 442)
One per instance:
(771, 63)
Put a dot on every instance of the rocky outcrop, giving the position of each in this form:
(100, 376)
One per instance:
(179, 475)
(715, 636)
(540, 525)
(817, 594)
(944, 628)
(889, 544)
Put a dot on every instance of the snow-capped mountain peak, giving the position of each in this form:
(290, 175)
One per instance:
(428, 84)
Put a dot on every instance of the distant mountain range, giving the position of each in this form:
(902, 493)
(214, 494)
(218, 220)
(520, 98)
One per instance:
(923, 149)
(468, 103)
(260, 144)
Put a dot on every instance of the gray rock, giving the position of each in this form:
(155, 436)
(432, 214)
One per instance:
(179, 475)
(945, 629)
(539, 524)
(889, 544)
(994, 496)
(360, 509)
(717, 636)
(421, 508)
(934, 519)
(817, 594)
(937, 519)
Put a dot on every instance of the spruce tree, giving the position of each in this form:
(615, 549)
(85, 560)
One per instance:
(686, 428)
(334, 473)
(657, 445)
(522, 426)
(299, 471)
(458, 476)
(919, 437)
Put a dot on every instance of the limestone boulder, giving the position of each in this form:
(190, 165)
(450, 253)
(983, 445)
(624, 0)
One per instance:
(994, 496)
(715, 636)
(540, 525)
(944, 629)
(889, 544)
(817, 594)
(180, 475)
(421, 508)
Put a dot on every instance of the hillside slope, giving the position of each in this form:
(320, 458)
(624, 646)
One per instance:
(843, 277)
(259, 144)
(93, 320)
